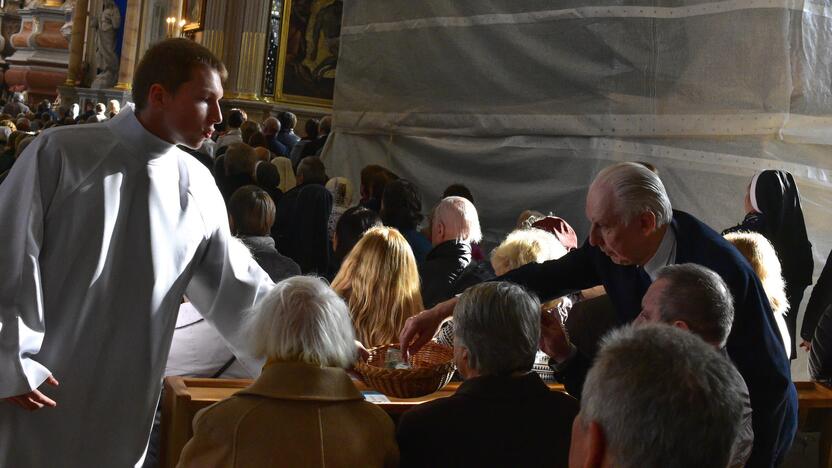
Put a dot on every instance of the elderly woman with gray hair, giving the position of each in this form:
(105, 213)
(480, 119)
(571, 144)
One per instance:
(303, 410)
(502, 410)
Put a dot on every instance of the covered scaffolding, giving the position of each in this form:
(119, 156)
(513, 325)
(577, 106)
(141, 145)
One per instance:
(525, 100)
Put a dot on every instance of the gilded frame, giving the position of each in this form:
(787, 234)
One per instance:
(284, 84)
(189, 7)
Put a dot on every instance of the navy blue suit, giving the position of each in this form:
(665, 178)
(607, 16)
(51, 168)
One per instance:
(754, 344)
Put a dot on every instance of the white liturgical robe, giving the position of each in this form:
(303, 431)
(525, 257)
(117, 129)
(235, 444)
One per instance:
(104, 228)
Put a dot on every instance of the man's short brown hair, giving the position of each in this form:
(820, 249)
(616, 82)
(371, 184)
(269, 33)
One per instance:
(169, 63)
(252, 210)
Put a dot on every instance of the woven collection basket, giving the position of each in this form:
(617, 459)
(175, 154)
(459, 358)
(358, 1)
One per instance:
(431, 369)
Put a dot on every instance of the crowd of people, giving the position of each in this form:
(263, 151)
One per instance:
(168, 240)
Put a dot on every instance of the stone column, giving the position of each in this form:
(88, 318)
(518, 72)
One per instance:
(76, 43)
(129, 44)
(213, 31)
(252, 49)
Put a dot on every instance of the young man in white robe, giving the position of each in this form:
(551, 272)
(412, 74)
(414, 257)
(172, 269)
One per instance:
(104, 228)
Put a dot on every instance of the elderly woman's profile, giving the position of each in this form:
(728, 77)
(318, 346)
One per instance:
(303, 410)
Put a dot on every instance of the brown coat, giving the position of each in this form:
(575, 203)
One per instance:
(295, 414)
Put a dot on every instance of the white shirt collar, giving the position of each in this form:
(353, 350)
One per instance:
(665, 255)
(127, 126)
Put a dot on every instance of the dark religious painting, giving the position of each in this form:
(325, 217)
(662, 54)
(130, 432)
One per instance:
(309, 55)
(194, 14)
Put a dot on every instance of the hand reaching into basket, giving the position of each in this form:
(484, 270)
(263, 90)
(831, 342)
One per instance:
(420, 328)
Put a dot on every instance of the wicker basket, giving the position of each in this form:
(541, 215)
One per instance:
(431, 369)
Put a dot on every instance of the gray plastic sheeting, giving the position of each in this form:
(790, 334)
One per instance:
(524, 101)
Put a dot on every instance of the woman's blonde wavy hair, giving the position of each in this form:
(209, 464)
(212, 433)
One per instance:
(763, 259)
(380, 282)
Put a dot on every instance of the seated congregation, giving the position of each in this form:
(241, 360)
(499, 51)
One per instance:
(652, 299)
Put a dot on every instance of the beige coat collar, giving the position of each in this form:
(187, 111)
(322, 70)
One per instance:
(300, 381)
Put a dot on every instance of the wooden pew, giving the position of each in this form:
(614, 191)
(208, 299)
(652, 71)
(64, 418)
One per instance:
(183, 397)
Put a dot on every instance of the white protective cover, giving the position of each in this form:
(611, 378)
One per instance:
(525, 100)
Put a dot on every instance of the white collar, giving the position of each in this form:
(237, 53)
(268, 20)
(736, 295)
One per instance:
(143, 143)
(665, 255)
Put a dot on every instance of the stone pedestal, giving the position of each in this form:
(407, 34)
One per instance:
(39, 64)
(71, 95)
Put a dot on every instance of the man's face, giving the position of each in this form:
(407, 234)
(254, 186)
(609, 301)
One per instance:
(651, 302)
(190, 113)
(623, 243)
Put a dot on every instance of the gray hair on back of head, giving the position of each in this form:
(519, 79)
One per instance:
(661, 396)
(636, 189)
(499, 324)
(302, 319)
(698, 296)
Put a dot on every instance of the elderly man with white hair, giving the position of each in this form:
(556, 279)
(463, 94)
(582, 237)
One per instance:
(657, 397)
(303, 410)
(634, 233)
(503, 413)
(454, 226)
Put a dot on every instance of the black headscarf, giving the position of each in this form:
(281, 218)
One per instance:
(776, 196)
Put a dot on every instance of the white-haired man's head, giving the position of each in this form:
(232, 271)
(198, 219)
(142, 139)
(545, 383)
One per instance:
(455, 218)
(302, 319)
(629, 211)
(657, 396)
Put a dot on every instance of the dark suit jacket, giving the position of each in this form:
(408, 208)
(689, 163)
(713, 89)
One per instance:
(300, 227)
(490, 421)
(754, 344)
(820, 299)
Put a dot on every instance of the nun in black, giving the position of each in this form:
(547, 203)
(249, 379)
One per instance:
(773, 205)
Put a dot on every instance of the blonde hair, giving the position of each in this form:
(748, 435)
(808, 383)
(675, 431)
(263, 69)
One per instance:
(341, 190)
(287, 175)
(524, 246)
(763, 258)
(380, 282)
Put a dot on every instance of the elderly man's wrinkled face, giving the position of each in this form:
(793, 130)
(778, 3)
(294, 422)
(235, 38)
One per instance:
(622, 242)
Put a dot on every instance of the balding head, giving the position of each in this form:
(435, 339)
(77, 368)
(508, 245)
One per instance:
(271, 126)
(455, 218)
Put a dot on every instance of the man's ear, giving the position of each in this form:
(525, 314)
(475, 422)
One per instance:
(681, 324)
(157, 96)
(597, 446)
(647, 222)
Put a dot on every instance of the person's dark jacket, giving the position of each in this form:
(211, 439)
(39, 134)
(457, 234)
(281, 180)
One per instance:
(277, 266)
(490, 421)
(440, 270)
(820, 357)
(300, 228)
(314, 147)
(289, 139)
(754, 344)
(276, 146)
(821, 298)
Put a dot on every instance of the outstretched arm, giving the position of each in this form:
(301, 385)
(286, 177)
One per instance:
(25, 197)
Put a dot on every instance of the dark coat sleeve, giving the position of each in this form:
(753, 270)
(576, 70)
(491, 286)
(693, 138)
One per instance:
(821, 298)
(572, 374)
(820, 358)
(555, 278)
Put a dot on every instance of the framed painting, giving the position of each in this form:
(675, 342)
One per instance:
(308, 55)
(193, 12)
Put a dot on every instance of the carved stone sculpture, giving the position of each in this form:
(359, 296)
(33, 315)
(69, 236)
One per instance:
(107, 24)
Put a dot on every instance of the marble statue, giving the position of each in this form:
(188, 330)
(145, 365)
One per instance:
(66, 29)
(107, 24)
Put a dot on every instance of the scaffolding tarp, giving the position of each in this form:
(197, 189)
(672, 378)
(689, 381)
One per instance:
(525, 100)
